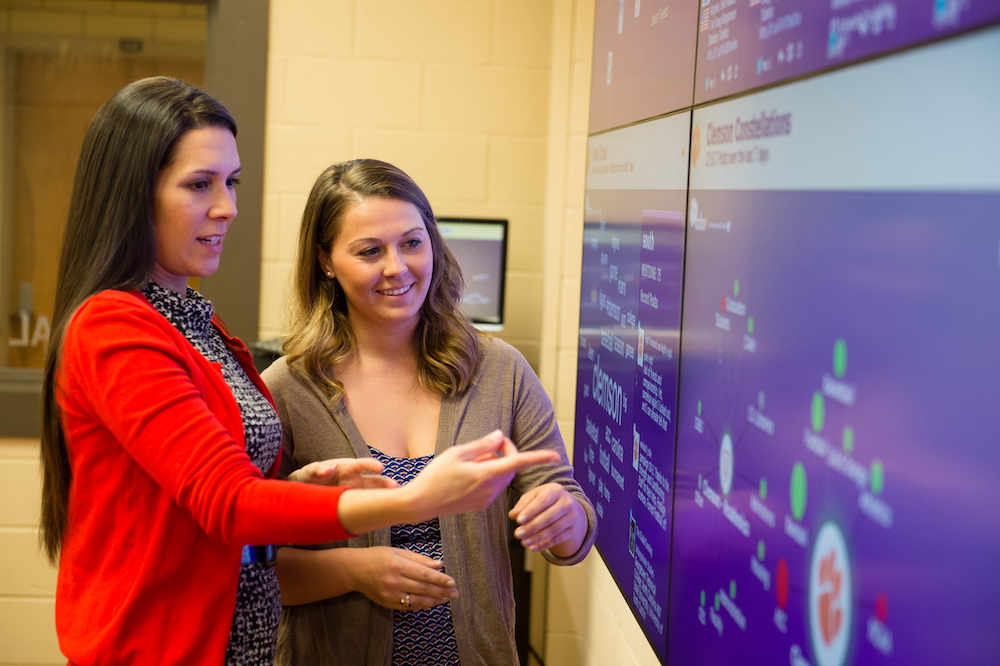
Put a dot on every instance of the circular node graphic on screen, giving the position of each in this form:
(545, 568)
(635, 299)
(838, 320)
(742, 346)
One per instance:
(830, 597)
(877, 477)
(817, 412)
(839, 358)
(848, 439)
(798, 491)
(781, 584)
(726, 464)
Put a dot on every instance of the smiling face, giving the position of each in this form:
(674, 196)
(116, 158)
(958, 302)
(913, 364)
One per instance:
(383, 262)
(194, 202)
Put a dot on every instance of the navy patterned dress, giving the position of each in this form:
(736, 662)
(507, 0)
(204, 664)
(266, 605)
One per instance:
(253, 637)
(421, 637)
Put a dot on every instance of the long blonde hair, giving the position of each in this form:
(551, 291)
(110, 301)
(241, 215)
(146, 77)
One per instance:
(445, 341)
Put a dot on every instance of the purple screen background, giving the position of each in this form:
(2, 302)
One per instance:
(911, 282)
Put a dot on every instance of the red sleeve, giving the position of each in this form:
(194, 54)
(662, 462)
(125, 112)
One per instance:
(136, 377)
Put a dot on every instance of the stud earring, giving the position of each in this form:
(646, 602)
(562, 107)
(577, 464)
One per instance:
(329, 274)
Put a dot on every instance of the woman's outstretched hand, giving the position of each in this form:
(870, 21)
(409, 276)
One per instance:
(402, 580)
(464, 478)
(549, 517)
(470, 476)
(350, 472)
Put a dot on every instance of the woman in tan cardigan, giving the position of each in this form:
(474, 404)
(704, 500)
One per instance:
(381, 363)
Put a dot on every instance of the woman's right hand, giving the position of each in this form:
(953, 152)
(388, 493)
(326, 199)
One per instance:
(402, 580)
(468, 477)
(464, 478)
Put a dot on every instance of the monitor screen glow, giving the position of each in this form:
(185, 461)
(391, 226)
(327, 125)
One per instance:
(480, 246)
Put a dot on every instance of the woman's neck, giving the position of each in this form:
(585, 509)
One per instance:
(380, 344)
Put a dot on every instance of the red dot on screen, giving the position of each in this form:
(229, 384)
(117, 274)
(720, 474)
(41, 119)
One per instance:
(781, 584)
(882, 607)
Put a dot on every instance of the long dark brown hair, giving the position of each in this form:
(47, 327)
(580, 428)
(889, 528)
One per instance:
(445, 341)
(109, 241)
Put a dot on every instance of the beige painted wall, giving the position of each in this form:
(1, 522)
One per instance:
(27, 582)
(454, 92)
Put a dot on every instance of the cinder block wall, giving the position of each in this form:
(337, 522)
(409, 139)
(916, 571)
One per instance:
(27, 582)
(454, 92)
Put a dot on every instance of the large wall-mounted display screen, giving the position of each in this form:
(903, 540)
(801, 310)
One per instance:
(629, 325)
(644, 52)
(839, 375)
(788, 366)
(744, 44)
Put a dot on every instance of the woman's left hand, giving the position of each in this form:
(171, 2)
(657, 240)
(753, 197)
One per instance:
(549, 517)
(349, 472)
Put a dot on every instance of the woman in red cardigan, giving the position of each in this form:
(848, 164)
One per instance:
(160, 443)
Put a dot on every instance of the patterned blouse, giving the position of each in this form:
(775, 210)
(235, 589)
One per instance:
(421, 637)
(254, 633)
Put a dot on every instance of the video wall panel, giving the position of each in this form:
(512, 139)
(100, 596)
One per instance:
(629, 327)
(744, 44)
(839, 370)
(821, 490)
(644, 55)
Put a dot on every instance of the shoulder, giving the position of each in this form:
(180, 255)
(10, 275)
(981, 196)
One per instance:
(277, 375)
(495, 354)
(284, 380)
(503, 368)
(114, 314)
(112, 300)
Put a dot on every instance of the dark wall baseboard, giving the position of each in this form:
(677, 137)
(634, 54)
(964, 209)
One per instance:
(20, 402)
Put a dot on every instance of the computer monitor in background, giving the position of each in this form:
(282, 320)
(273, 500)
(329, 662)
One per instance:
(481, 249)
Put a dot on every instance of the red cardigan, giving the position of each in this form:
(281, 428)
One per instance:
(163, 495)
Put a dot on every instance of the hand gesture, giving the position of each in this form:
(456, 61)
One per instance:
(549, 517)
(468, 477)
(349, 472)
(403, 581)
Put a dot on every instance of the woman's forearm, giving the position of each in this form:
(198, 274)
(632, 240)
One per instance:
(467, 477)
(306, 576)
(363, 511)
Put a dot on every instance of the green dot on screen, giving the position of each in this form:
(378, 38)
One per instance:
(699, 408)
(750, 325)
(839, 357)
(798, 491)
(848, 439)
(760, 550)
(716, 601)
(732, 589)
(703, 597)
(763, 489)
(736, 287)
(817, 412)
(877, 477)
